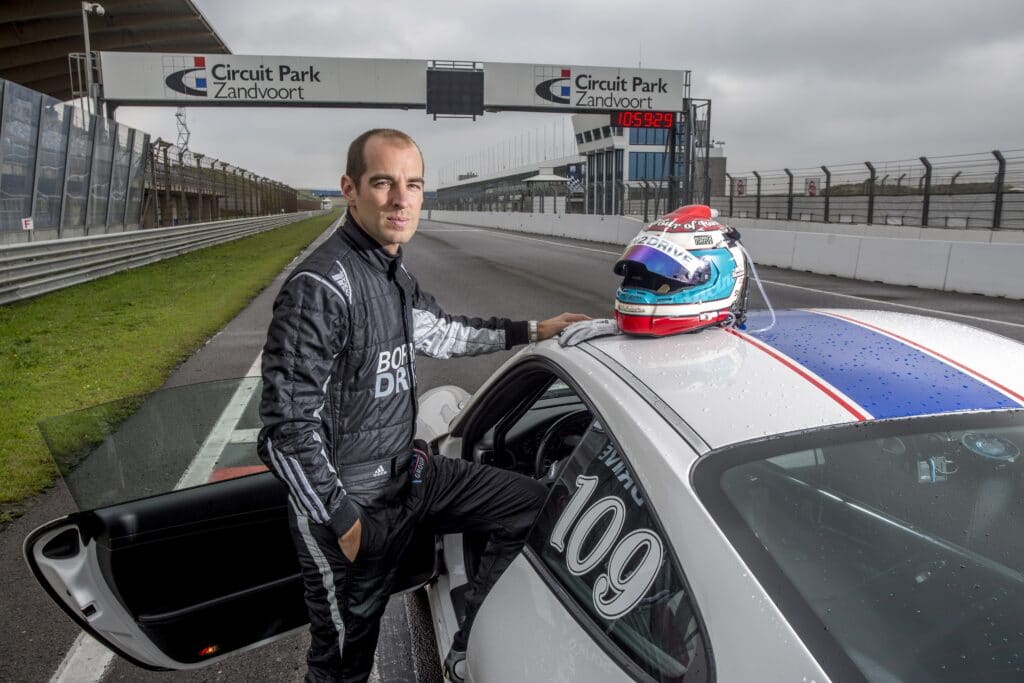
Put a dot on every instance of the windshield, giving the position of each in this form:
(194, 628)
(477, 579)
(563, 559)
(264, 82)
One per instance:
(894, 547)
(146, 445)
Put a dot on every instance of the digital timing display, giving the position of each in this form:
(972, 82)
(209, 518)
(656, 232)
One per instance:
(635, 118)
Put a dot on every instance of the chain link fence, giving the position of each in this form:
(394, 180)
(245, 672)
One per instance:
(184, 186)
(982, 190)
(67, 173)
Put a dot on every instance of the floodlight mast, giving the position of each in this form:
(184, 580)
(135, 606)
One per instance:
(91, 94)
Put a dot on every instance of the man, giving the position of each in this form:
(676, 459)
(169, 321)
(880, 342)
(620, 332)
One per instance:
(339, 415)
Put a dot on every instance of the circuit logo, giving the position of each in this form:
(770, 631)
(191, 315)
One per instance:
(196, 75)
(551, 89)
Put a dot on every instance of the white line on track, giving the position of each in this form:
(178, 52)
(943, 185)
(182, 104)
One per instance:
(780, 284)
(890, 303)
(559, 244)
(202, 465)
(87, 661)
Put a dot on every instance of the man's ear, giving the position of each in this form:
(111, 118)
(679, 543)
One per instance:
(347, 187)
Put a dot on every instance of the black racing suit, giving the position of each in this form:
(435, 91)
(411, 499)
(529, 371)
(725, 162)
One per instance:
(339, 414)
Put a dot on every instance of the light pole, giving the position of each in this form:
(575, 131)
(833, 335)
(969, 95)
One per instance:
(87, 9)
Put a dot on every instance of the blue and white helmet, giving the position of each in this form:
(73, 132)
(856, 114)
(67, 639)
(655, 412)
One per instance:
(683, 272)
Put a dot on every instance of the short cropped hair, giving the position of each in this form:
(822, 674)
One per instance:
(356, 165)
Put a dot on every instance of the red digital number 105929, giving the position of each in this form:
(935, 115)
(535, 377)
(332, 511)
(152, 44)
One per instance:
(643, 119)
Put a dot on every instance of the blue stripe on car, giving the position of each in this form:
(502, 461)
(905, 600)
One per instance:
(885, 376)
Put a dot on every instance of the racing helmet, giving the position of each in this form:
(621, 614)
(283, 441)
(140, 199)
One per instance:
(681, 273)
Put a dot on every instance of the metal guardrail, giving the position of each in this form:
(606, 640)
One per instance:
(28, 270)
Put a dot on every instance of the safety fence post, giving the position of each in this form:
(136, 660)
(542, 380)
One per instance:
(757, 204)
(223, 176)
(199, 182)
(926, 200)
(89, 179)
(184, 215)
(40, 120)
(243, 191)
(871, 192)
(997, 213)
(169, 213)
(828, 190)
(128, 177)
(789, 197)
(250, 209)
(732, 184)
(64, 180)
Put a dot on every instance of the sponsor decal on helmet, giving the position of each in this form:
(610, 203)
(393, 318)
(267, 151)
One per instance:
(680, 254)
(668, 224)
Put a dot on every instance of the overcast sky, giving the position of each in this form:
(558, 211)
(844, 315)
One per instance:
(793, 84)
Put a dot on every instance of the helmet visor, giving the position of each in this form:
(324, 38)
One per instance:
(682, 267)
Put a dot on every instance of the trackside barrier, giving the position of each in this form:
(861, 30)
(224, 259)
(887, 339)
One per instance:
(34, 268)
(968, 261)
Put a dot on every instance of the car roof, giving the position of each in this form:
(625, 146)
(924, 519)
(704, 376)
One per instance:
(819, 367)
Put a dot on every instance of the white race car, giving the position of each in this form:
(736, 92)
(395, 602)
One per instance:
(833, 498)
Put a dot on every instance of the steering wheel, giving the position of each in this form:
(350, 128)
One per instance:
(554, 436)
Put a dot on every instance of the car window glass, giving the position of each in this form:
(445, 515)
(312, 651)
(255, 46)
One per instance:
(171, 439)
(901, 545)
(558, 387)
(536, 432)
(599, 539)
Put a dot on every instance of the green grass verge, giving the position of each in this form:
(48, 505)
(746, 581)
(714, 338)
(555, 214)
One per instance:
(118, 336)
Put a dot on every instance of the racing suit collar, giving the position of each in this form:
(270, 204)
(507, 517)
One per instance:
(369, 249)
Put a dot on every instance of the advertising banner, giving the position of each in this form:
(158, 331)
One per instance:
(143, 78)
(188, 79)
(583, 88)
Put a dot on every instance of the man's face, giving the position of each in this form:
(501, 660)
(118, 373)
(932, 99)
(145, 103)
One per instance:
(386, 202)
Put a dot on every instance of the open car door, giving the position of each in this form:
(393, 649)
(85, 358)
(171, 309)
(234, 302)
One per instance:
(180, 552)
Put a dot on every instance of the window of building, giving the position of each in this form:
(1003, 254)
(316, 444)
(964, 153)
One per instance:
(648, 136)
(588, 136)
(649, 166)
(579, 138)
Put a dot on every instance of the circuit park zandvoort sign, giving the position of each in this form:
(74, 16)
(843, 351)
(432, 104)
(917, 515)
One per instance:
(253, 80)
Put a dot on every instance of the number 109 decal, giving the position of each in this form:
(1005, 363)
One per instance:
(634, 559)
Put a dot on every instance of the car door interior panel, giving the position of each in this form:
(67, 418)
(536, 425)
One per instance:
(200, 572)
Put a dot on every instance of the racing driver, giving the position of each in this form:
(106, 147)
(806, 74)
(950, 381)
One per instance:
(339, 413)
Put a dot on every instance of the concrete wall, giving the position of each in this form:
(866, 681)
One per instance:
(970, 261)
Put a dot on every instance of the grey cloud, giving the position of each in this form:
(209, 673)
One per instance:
(794, 83)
